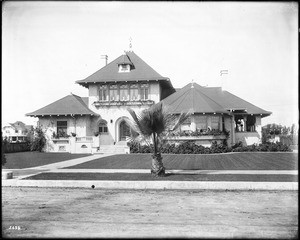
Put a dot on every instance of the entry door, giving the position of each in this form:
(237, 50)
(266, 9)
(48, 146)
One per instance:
(124, 131)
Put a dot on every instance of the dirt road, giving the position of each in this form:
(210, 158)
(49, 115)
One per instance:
(58, 212)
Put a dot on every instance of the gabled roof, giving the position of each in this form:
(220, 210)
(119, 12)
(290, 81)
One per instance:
(198, 99)
(110, 73)
(69, 105)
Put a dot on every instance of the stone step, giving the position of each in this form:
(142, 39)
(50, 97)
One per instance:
(113, 149)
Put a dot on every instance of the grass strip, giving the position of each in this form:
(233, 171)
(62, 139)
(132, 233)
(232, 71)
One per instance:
(236, 161)
(171, 177)
(22, 160)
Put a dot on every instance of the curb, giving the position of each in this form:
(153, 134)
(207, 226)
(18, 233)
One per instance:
(179, 185)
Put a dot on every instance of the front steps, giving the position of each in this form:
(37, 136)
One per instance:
(113, 149)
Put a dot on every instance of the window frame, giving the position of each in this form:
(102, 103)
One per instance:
(61, 127)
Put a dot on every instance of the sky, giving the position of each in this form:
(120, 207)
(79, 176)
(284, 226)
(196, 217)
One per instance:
(47, 46)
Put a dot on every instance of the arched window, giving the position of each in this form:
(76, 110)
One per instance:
(103, 128)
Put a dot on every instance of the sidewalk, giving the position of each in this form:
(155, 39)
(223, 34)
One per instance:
(20, 174)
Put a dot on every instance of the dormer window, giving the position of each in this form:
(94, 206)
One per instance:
(124, 64)
(124, 68)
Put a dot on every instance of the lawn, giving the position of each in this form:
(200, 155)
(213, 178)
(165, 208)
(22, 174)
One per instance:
(33, 159)
(173, 177)
(234, 161)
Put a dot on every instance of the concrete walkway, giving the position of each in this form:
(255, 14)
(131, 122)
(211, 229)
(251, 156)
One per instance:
(20, 174)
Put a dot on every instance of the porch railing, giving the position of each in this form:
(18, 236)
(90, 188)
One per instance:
(84, 139)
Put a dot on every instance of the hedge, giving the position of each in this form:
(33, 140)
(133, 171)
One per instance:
(189, 147)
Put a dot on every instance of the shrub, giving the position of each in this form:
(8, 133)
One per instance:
(37, 140)
(190, 147)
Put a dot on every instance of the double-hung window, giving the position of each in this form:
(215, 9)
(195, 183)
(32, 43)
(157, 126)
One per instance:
(215, 122)
(134, 92)
(102, 93)
(113, 92)
(123, 92)
(201, 122)
(62, 127)
(144, 91)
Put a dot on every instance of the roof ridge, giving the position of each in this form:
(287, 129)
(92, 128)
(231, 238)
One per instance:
(208, 96)
(80, 100)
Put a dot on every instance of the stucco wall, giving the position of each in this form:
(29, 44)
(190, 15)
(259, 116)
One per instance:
(113, 116)
(248, 138)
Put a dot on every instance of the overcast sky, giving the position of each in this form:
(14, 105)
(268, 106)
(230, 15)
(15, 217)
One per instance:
(47, 46)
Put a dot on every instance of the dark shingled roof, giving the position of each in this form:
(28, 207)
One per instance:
(200, 99)
(110, 73)
(69, 105)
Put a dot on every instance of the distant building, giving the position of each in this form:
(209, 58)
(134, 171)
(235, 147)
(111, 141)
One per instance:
(97, 122)
(16, 132)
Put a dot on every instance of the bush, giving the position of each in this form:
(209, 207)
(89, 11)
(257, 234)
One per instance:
(37, 140)
(190, 147)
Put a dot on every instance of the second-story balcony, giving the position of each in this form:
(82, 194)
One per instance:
(103, 103)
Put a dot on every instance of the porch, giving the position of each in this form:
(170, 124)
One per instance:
(87, 144)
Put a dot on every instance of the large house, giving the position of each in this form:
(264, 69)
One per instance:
(97, 123)
(16, 132)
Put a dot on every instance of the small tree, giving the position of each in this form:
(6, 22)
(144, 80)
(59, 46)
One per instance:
(152, 126)
(37, 139)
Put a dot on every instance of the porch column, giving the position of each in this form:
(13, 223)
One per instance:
(193, 123)
(232, 130)
(245, 123)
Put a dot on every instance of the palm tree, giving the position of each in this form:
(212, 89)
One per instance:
(153, 126)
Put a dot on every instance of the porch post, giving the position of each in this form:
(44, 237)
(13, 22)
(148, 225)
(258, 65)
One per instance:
(245, 123)
(232, 130)
(193, 123)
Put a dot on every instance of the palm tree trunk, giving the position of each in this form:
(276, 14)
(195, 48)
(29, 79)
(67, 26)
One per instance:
(157, 167)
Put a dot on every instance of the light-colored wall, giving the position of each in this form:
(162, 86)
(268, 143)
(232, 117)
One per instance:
(154, 92)
(248, 138)
(76, 125)
(113, 116)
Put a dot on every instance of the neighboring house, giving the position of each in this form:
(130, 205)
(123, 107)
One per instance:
(16, 132)
(97, 122)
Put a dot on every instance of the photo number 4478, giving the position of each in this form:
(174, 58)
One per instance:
(14, 228)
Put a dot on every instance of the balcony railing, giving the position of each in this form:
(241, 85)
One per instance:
(84, 139)
(123, 102)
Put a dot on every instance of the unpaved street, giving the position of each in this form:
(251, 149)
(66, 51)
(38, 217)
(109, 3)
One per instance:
(58, 212)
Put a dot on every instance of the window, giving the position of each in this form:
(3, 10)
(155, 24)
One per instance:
(134, 92)
(102, 93)
(144, 91)
(113, 92)
(16, 131)
(103, 128)
(14, 139)
(124, 68)
(201, 122)
(62, 128)
(215, 122)
(123, 92)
